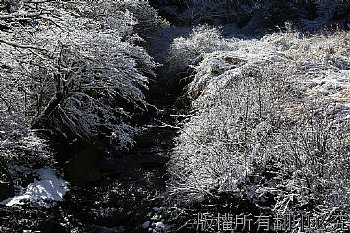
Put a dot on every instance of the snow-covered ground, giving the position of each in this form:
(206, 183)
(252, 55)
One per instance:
(43, 192)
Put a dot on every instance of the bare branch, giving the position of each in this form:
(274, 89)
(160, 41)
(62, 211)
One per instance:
(21, 45)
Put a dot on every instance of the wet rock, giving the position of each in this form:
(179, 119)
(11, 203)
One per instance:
(6, 184)
(145, 140)
(85, 166)
(120, 165)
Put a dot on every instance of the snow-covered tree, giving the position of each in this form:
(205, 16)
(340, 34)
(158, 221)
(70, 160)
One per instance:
(76, 71)
(71, 70)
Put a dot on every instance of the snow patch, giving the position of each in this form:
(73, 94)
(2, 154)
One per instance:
(160, 226)
(158, 209)
(146, 224)
(44, 192)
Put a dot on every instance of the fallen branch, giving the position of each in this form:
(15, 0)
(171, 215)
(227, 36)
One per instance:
(21, 45)
(21, 16)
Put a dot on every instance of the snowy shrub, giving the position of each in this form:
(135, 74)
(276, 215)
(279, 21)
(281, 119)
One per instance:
(316, 153)
(188, 51)
(221, 140)
(270, 120)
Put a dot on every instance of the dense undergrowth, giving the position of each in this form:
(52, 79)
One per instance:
(270, 124)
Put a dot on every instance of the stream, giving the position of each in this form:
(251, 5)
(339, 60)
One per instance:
(129, 194)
